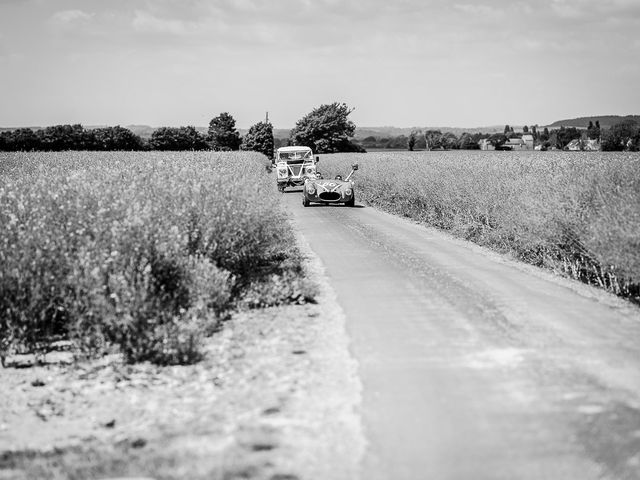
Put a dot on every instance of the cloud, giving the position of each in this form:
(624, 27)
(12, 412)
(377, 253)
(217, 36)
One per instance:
(71, 16)
(146, 22)
(485, 11)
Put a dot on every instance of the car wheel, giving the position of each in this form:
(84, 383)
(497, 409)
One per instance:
(305, 201)
(351, 203)
(281, 188)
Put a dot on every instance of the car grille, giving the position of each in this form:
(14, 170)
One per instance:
(295, 169)
(330, 196)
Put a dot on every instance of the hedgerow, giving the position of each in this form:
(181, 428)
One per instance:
(576, 213)
(145, 252)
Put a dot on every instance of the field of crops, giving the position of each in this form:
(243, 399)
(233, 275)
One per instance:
(577, 213)
(141, 252)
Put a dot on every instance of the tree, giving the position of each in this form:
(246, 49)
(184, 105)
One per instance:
(507, 129)
(621, 136)
(223, 134)
(544, 136)
(498, 140)
(534, 132)
(326, 129)
(116, 138)
(176, 139)
(433, 139)
(525, 129)
(397, 143)
(449, 141)
(22, 139)
(64, 137)
(593, 131)
(259, 138)
(469, 142)
(562, 137)
(411, 142)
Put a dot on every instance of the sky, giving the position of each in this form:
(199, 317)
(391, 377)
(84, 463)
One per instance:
(457, 63)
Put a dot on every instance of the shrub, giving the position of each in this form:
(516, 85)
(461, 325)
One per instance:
(575, 213)
(140, 251)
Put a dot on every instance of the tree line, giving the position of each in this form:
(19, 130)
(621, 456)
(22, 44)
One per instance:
(326, 129)
(624, 135)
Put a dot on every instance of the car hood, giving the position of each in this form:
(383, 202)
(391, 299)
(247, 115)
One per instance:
(330, 184)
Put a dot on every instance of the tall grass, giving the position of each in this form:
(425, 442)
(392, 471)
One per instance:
(143, 251)
(578, 213)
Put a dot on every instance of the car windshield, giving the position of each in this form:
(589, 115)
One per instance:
(295, 155)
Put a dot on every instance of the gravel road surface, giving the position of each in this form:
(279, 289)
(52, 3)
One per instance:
(473, 365)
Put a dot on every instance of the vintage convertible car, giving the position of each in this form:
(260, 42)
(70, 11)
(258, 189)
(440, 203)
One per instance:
(294, 165)
(337, 190)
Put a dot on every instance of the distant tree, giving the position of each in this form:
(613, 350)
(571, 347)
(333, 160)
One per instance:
(544, 136)
(259, 138)
(397, 143)
(116, 138)
(21, 139)
(433, 139)
(593, 131)
(525, 129)
(57, 138)
(326, 129)
(411, 142)
(370, 142)
(449, 141)
(498, 140)
(177, 139)
(564, 136)
(223, 134)
(280, 142)
(624, 135)
(468, 142)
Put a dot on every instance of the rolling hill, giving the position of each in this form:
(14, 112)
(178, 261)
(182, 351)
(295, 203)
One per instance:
(606, 121)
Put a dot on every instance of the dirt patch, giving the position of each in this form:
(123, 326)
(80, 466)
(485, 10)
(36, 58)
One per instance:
(275, 397)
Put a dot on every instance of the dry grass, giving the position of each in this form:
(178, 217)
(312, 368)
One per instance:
(145, 251)
(578, 213)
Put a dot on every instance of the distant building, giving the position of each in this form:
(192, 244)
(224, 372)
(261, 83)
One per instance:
(580, 144)
(485, 144)
(528, 141)
(515, 143)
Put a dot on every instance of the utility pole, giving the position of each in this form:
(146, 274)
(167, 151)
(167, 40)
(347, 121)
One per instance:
(266, 120)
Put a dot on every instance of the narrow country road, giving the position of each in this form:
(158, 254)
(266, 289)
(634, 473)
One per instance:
(474, 366)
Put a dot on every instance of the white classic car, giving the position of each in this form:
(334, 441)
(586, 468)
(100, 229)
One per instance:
(294, 165)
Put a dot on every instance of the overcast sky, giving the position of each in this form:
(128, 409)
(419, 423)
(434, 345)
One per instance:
(459, 63)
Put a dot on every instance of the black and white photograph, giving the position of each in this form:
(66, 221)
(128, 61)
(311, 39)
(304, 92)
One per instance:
(319, 240)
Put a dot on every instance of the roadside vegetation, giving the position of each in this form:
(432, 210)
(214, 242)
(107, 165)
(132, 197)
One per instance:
(142, 253)
(578, 214)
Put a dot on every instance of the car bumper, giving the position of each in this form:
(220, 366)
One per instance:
(316, 199)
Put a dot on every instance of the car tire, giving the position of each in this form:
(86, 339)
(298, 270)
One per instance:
(305, 201)
(351, 203)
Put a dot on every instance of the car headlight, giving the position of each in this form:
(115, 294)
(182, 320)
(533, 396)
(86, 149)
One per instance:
(310, 170)
(282, 172)
(311, 189)
(348, 192)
